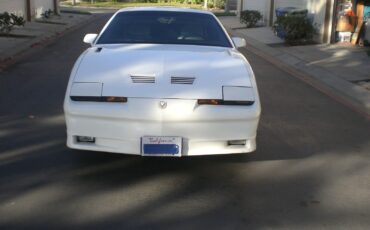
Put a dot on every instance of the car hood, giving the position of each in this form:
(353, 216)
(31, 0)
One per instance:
(163, 71)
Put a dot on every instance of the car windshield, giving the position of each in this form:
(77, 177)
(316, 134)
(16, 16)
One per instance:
(164, 27)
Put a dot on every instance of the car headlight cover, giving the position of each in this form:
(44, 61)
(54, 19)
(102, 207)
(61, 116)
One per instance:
(92, 92)
(232, 95)
(238, 93)
(86, 89)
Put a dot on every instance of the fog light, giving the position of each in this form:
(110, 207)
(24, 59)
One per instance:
(85, 139)
(237, 142)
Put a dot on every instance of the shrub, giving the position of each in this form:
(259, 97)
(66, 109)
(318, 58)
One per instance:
(8, 21)
(47, 14)
(297, 28)
(250, 17)
(220, 4)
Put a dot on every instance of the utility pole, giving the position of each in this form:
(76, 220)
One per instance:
(205, 4)
(73, 2)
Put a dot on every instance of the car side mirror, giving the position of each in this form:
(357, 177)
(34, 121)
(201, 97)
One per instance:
(90, 38)
(239, 42)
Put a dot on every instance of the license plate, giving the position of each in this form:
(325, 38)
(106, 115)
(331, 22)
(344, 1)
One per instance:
(161, 146)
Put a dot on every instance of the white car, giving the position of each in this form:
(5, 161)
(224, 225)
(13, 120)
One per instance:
(162, 82)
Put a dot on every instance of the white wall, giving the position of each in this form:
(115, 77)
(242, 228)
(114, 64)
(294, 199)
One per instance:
(262, 6)
(40, 6)
(315, 7)
(17, 7)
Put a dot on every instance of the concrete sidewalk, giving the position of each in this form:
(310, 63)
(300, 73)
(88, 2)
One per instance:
(36, 34)
(343, 69)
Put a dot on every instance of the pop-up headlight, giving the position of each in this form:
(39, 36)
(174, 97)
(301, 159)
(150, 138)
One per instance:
(232, 95)
(92, 92)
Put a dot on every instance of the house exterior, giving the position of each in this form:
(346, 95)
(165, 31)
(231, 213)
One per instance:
(321, 11)
(29, 9)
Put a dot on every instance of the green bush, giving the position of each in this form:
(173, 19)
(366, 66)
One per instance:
(8, 21)
(297, 28)
(250, 17)
(219, 4)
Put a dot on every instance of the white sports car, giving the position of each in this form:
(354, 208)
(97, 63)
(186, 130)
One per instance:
(162, 82)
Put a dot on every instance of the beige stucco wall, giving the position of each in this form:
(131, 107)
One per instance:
(17, 7)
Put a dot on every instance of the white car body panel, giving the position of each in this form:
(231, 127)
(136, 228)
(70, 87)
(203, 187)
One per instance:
(212, 68)
(110, 70)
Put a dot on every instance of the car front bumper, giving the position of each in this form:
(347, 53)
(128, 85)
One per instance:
(118, 127)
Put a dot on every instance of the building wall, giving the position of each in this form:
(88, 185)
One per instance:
(316, 9)
(40, 6)
(262, 6)
(17, 7)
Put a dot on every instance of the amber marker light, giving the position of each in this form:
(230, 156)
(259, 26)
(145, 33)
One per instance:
(222, 102)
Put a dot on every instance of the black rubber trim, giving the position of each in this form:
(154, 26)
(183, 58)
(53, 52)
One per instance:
(237, 102)
(98, 99)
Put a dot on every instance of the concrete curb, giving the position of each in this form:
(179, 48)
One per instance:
(353, 96)
(28, 48)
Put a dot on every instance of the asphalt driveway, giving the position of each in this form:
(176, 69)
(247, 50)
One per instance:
(311, 169)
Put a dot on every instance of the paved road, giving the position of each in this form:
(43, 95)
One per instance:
(311, 169)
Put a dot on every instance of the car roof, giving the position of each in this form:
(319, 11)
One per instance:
(165, 8)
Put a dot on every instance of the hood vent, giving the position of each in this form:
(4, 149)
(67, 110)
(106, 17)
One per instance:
(182, 80)
(142, 79)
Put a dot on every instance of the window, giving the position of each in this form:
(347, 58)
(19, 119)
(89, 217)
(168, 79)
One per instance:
(164, 27)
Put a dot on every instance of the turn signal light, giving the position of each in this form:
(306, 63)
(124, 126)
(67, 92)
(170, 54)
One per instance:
(237, 142)
(208, 102)
(85, 139)
(222, 102)
(115, 99)
(100, 99)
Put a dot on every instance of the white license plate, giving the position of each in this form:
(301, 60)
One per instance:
(161, 146)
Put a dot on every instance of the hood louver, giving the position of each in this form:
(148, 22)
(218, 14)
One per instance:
(143, 79)
(182, 80)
